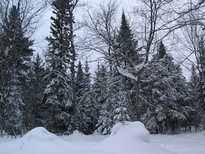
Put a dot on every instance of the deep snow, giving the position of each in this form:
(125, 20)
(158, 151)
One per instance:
(130, 138)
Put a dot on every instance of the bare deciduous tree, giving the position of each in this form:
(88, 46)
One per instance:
(101, 27)
(30, 12)
(162, 17)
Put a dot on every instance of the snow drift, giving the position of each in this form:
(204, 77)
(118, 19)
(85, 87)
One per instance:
(131, 138)
(131, 131)
(39, 134)
(126, 138)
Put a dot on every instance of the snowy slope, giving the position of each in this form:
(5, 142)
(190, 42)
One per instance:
(131, 138)
(190, 143)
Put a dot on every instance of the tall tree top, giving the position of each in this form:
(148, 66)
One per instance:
(86, 67)
(125, 31)
(161, 50)
(126, 45)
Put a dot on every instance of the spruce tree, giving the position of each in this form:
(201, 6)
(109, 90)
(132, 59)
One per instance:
(125, 53)
(79, 82)
(103, 100)
(34, 88)
(87, 104)
(194, 86)
(161, 51)
(79, 94)
(107, 113)
(105, 122)
(126, 57)
(166, 96)
(201, 62)
(120, 112)
(58, 94)
(100, 87)
(15, 55)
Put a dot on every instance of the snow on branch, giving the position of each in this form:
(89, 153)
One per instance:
(125, 73)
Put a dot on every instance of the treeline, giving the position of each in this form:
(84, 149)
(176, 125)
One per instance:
(61, 95)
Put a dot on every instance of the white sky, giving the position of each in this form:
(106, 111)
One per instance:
(44, 25)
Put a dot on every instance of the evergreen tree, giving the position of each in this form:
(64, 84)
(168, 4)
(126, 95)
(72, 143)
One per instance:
(58, 94)
(103, 100)
(100, 87)
(121, 112)
(79, 94)
(194, 86)
(201, 62)
(161, 51)
(107, 113)
(33, 95)
(126, 57)
(125, 53)
(105, 122)
(15, 58)
(87, 106)
(166, 95)
(79, 82)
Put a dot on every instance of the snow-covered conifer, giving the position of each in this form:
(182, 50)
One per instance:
(15, 58)
(58, 94)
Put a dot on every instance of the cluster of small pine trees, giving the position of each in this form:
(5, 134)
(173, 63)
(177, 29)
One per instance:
(63, 97)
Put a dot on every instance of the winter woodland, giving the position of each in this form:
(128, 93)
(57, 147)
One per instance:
(137, 77)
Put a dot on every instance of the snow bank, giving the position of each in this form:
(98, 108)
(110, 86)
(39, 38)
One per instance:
(131, 130)
(37, 141)
(131, 138)
(39, 134)
(127, 138)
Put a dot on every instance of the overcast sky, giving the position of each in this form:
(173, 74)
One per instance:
(44, 25)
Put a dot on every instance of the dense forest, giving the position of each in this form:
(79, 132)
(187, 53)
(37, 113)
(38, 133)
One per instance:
(135, 81)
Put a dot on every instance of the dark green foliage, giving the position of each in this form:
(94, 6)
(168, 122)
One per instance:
(15, 55)
(86, 107)
(86, 104)
(161, 51)
(166, 95)
(33, 94)
(58, 94)
(125, 53)
(201, 68)
(102, 97)
(126, 56)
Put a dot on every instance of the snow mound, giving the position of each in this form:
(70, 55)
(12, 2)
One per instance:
(131, 138)
(39, 134)
(131, 130)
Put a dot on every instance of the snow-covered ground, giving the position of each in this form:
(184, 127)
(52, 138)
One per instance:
(189, 143)
(131, 138)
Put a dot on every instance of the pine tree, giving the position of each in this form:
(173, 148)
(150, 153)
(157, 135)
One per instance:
(125, 53)
(126, 57)
(15, 54)
(79, 82)
(103, 100)
(100, 86)
(33, 94)
(105, 122)
(88, 107)
(161, 51)
(194, 85)
(58, 94)
(79, 94)
(201, 58)
(166, 95)
(121, 112)
(107, 113)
